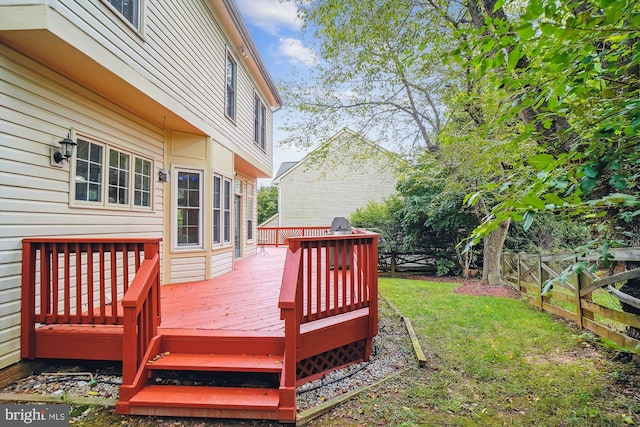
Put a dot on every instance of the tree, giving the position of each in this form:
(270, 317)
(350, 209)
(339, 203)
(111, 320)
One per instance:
(267, 203)
(382, 71)
(570, 72)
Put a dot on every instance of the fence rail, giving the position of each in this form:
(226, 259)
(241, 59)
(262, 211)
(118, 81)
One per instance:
(277, 236)
(593, 297)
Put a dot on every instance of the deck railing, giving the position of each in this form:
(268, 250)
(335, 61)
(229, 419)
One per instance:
(79, 281)
(324, 277)
(141, 306)
(278, 236)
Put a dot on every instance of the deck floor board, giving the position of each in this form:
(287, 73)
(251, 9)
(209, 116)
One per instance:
(245, 299)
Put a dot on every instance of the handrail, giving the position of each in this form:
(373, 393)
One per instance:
(289, 305)
(141, 305)
(339, 274)
(73, 280)
(277, 236)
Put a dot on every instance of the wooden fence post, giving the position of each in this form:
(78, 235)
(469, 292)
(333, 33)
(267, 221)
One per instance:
(541, 299)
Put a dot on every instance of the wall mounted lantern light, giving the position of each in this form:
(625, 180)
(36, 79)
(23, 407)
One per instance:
(67, 145)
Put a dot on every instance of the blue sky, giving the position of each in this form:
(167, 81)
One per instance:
(275, 30)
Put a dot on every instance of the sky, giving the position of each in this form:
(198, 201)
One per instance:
(275, 29)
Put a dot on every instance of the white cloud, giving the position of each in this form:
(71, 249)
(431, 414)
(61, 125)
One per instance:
(296, 51)
(270, 15)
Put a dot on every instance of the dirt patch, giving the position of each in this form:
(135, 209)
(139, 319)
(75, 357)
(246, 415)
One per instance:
(473, 287)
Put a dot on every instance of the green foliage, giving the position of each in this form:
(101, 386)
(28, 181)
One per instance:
(548, 233)
(571, 72)
(424, 217)
(267, 203)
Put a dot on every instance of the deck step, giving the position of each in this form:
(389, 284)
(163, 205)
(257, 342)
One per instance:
(220, 398)
(216, 362)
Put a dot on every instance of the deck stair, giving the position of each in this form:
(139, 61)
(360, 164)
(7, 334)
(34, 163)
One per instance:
(211, 376)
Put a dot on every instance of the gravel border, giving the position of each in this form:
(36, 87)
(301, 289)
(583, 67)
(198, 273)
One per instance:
(98, 382)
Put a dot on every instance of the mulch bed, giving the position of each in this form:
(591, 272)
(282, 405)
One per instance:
(473, 286)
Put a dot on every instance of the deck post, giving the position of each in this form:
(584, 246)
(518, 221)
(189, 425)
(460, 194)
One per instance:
(28, 320)
(373, 295)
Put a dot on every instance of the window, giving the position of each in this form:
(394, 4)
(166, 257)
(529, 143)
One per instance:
(142, 183)
(110, 182)
(217, 209)
(259, 125)
(226, 205)
(129, 9)
(188, 213)
(263, 119)
(88, 172)
(118, 177)
(230, 98)
(249, 212)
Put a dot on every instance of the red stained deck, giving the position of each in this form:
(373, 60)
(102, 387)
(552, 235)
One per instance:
(244, 300)
(284, 316)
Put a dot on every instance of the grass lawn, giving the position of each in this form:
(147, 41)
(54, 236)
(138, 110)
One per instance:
(495, 362)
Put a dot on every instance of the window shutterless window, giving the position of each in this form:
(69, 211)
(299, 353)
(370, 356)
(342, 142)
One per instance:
(249, 212)
(88, 172)
(95, 173)
(230, 96)
(188, 215)
(129, 9)
(118, 178)
(226, 205)
(217, 209)
(142, 183)
(259, 125)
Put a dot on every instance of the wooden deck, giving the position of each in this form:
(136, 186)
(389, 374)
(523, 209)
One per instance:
(213, 304)
(283, 317)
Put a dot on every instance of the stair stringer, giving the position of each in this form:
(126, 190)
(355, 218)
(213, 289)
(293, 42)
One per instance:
(127, 391)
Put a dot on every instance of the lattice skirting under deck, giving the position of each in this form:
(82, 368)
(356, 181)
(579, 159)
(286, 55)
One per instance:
(326, 362)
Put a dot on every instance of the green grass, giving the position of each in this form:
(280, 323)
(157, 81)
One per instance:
(495, 362)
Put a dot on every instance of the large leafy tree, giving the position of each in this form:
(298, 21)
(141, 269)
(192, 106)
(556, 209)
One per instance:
(569, 72)
(382, 72)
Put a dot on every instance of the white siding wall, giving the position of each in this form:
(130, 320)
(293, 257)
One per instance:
(38, 108)
(182, 50)
(317, 190)
(221, 263)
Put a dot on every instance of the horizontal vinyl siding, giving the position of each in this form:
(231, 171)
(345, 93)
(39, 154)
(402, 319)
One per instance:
(187, 269)
(183, 52)
(37, 108)
(314, 194)
(221, 263)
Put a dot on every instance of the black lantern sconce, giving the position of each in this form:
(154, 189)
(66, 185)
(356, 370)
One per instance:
(66, 151)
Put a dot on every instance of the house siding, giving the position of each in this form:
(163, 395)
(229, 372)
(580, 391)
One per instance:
(349, 174)
(181, 50)
(35, 196)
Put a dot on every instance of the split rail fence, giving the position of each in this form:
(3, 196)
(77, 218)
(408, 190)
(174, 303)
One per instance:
(597, 301)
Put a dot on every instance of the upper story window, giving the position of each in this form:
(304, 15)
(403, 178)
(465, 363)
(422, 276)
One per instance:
(109, 181)
(230, 96)
(259, 125)
(129, 9)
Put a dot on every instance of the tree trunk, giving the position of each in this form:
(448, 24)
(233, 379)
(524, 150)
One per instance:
(493, 243)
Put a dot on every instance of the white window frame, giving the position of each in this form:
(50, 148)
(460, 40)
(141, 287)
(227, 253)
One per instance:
(105, 166)
(136, 23)
(231, 88)
(250, 212)
(259, 125)
(216, 204)
(175, 174)
(227, 205)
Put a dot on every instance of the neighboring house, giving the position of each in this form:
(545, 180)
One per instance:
(342, 175)
(171, 108)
